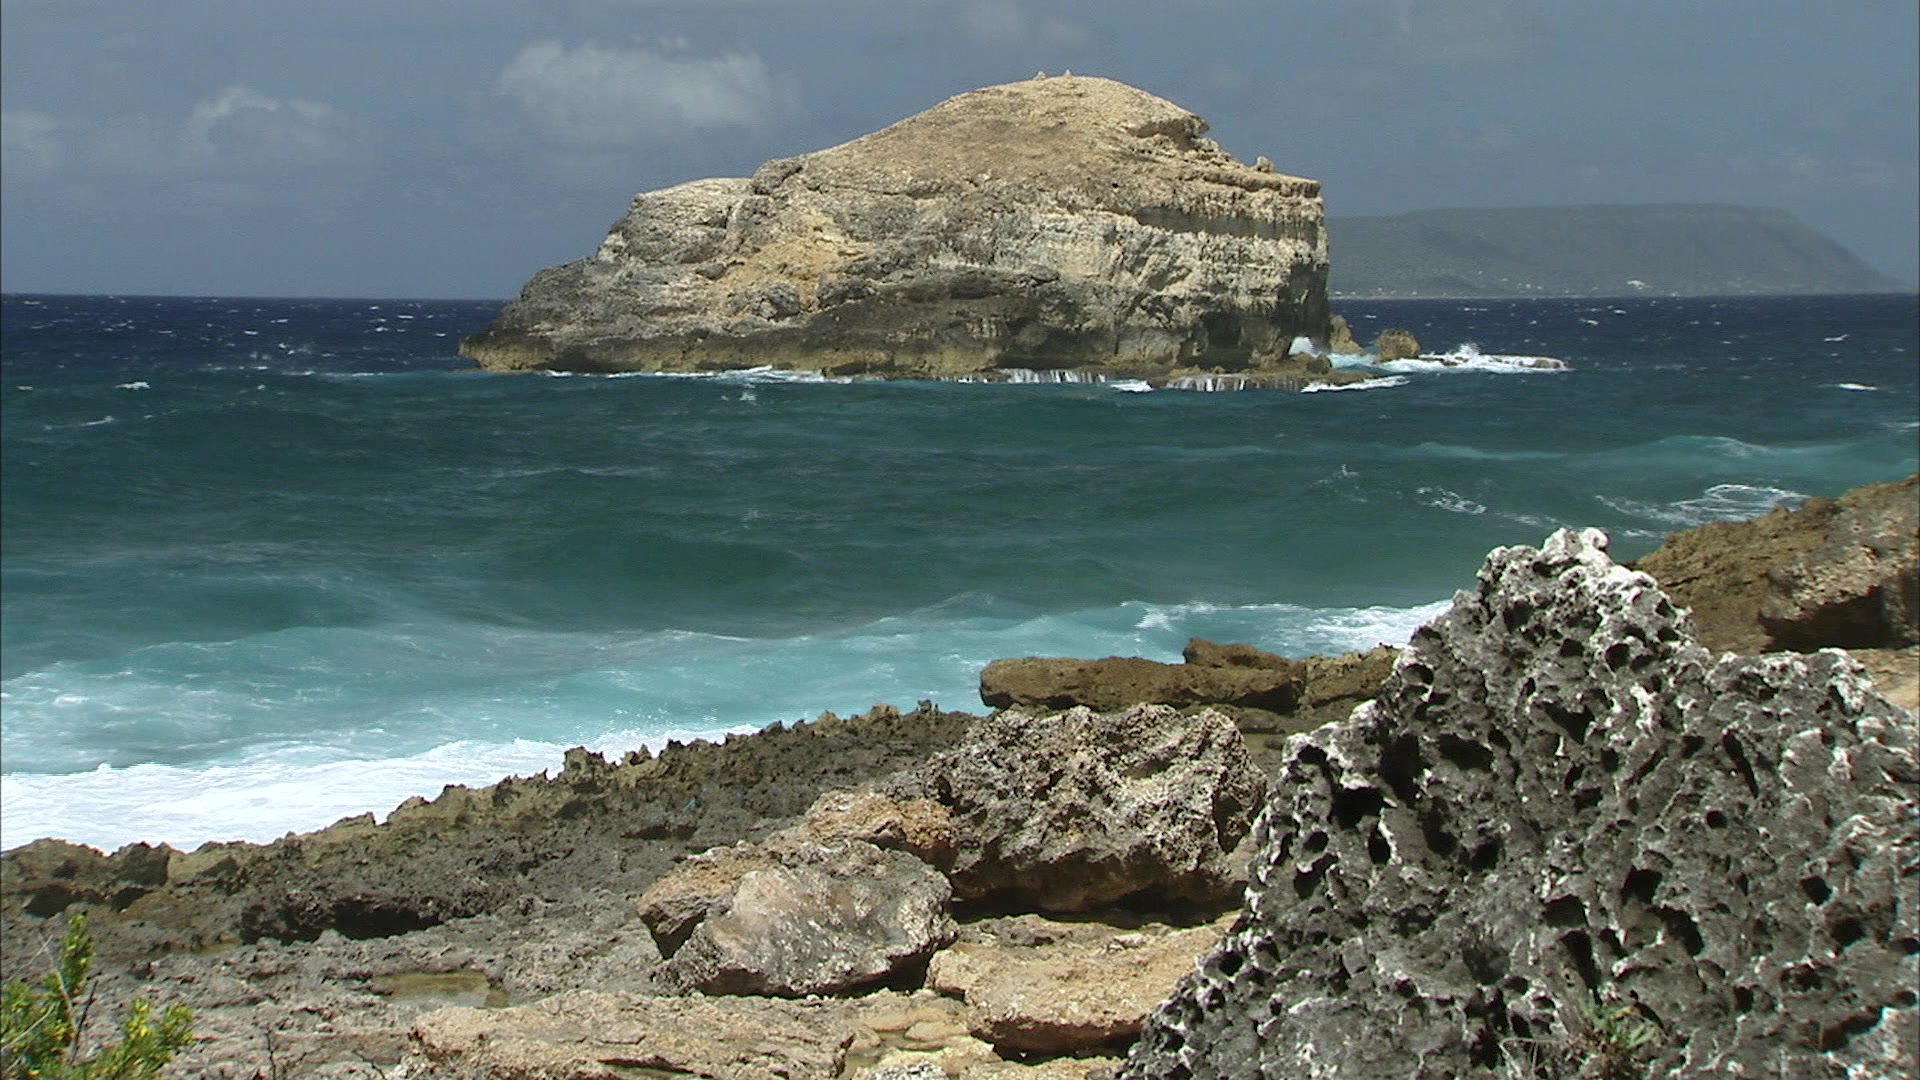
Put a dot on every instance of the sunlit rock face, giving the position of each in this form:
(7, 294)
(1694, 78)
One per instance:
(1057, 223)
(1565, 833)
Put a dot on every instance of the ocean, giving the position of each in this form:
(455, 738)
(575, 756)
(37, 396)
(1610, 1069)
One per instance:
(268, 563)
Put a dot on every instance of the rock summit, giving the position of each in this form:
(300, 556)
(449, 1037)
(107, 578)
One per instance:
(1056, 223)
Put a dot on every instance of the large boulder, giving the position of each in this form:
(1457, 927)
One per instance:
(815, 919)
(1055, 223)
(1565, 834)
(1076, 810)
(1835, 572)
(1395, 344)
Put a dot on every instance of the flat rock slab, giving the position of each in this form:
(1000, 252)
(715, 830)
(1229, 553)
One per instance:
(594, 1036)
(1036, 986)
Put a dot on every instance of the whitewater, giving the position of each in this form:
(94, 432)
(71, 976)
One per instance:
(268, 563)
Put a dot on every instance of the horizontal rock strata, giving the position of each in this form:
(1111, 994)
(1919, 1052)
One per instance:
(1064, 223)
(1563, 834)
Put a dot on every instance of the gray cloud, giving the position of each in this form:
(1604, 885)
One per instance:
(599, 97)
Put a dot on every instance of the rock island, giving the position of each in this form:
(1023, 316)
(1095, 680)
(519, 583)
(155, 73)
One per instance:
(1065, 223)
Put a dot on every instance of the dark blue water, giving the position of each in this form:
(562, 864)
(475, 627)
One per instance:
(270, 562)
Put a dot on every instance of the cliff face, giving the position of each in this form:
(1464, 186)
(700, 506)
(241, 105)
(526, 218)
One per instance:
(1062, 222)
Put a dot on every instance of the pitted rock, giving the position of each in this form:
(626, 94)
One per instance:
(1560, 807)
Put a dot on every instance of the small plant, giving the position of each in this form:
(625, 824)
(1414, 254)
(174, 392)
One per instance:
(1617, 1042)
(1613, 1042)
(40, 1026)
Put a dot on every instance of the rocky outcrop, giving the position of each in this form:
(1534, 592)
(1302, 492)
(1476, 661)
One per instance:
(1032, 985)
(1835, 572)
(1069, 222)
(1395, 344)
(1565, 833)
(1077, 810)
(1267, 695)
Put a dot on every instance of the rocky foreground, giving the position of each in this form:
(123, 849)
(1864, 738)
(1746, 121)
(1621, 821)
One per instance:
(1064, 223)
(1561, 831)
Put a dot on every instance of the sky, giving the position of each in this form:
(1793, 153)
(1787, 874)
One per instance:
(399, 148)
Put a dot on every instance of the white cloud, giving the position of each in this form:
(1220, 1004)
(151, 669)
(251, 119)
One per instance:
(238, 131)
(593, 96)
(241, 126)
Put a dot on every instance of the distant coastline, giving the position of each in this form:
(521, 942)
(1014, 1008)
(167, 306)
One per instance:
(1591, 251)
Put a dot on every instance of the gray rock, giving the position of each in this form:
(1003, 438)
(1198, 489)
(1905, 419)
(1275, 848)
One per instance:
(1060, 223)
(1078, 809)
(1563, 823)
(821, 919)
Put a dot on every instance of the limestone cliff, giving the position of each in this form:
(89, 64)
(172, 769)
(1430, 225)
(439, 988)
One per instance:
(1065, 222)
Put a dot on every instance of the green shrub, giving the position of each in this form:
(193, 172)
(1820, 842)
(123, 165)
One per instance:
(40, 1025)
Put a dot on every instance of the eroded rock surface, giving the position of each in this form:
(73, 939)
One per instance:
(1073, 810)
(1068, 222)
(1560, 809)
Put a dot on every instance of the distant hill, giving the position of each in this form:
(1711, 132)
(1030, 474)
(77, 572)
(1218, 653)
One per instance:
(1669, 250)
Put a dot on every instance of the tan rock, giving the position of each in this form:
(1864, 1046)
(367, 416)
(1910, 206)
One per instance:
(920, 827)
(1035, 986)
(1395, 344)
(594, 1036)
(1069, 222)
(1835, 572)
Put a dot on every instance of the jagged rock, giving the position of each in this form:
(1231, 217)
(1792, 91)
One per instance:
(1036, 986)
(1069, 222)
(595, 1036)
(1395, 344)
(1073, 810)
(820, 920)
(1835, 572)
(1340, 337)
(1561, 809)
(594, 825)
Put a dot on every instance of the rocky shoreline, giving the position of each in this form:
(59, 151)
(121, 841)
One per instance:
(933, 893)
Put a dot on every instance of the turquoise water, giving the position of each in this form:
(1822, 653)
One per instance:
(268, 563)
